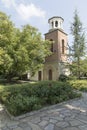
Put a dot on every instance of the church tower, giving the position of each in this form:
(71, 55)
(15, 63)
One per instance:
(55, 63)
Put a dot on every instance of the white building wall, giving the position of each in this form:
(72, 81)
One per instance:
(35, 77)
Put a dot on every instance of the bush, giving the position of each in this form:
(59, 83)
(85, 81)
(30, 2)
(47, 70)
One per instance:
(21, 104)
(63, 77)
(24, 98)
(79, 84)
(71, 77)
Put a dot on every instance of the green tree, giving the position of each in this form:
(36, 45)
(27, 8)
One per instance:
(83, 68)
(20, 50)
(37, 48)
(6, 40)
(78, 47)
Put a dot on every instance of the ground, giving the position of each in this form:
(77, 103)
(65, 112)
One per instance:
(71, 115)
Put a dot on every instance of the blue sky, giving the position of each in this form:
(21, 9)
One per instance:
(37, 12)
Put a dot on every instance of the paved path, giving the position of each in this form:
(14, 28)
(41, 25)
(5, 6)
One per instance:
(71, 115)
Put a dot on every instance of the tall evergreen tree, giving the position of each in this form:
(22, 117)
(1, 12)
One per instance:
(78, 47)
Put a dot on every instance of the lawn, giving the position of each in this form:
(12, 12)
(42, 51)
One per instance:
(25, 97)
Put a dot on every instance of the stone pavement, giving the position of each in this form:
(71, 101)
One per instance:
(71, 115)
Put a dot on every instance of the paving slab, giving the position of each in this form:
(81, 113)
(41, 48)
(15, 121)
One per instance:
(62, 124)
(49, 127)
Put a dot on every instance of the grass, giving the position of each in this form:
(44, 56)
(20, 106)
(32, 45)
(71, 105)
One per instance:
(26, 97)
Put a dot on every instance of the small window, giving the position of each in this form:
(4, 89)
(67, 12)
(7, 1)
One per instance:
(52, 24)
(63, 50)
(51, 45)
(56, 24)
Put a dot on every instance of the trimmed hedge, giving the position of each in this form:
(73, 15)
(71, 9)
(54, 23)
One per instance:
(22, 98)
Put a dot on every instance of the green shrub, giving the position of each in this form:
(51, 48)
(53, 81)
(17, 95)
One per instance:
(23, 98)
(71, 77)
(63, 77)
(20, 104)
(79, 84)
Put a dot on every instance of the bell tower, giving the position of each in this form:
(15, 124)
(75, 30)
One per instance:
(55, 23)
(55, 63)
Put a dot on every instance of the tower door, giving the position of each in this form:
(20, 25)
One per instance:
(50, 74)
(39, 75)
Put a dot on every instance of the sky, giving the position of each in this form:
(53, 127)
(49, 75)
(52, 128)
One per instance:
(37, 12)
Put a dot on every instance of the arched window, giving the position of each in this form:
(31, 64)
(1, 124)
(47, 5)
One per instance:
(51, 45)
(50, 74)
(52, 24)
(39, 75)
(56, 23)
(63, 50)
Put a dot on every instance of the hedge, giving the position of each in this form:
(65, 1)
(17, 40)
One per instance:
(22, 98)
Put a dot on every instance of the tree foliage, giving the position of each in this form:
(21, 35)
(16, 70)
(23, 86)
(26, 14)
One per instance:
(20, 50)
(78, 46)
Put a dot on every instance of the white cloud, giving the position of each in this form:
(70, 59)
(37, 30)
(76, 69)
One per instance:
(25, 11)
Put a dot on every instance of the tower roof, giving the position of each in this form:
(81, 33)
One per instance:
(55, 17)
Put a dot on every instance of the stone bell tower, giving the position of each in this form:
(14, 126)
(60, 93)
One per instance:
(55, 63)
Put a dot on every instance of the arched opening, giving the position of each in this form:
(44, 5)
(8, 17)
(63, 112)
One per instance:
(51, 45)
(63, 50)
(50, 74)
(52, 24)
(39, 75)
(56, 23)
